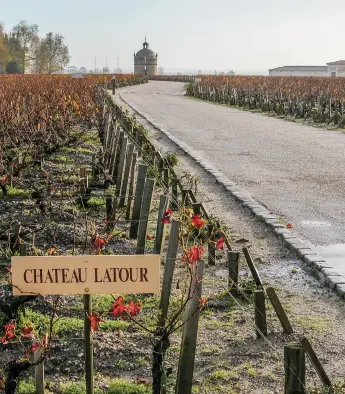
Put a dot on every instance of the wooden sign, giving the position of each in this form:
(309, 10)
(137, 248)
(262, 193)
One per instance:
(85, 274)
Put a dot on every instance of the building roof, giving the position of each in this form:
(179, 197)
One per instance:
(337, 63)
(145, 52)
(300, 68)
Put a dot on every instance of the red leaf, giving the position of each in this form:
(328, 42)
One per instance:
(197, 221)
(289, 225)
(220, 243)
(166, 219)
(193, 254)
(133, 309)
(27, 332)
(95, 321)
(118, 307)
(9, 332)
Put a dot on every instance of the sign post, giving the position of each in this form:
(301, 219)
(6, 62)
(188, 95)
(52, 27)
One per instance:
(86, 275)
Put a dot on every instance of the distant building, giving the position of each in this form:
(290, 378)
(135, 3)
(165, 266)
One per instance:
(145, 61)
(333, 69)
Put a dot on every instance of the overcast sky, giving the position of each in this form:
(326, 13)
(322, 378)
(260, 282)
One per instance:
(247, 36)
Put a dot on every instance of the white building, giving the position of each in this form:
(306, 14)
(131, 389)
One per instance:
(333, 69)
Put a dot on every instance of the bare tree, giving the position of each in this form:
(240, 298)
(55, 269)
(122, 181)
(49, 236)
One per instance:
(51, 54)
(27, 37)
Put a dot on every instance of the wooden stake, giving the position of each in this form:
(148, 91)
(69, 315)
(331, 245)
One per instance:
(169, 270)
(174, 196)
(88, 345)
(138, 198)
(126, 175)
(131, 187)
(260, 313)
(144, 215)
(39, 373)
(252, 267)
(233, 263)
(316, 362)
(108, 205)
(189, 337)
(120, 167)
(294, 364)
(211, 245)
(159, 241)
(279, 310)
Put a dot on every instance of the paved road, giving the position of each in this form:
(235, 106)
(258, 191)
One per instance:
(297, 171)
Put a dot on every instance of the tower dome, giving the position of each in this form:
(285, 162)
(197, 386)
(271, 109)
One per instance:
(145, 61)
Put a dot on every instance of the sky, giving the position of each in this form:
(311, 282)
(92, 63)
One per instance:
(246, 36)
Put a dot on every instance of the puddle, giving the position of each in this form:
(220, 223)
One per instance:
(333, 254)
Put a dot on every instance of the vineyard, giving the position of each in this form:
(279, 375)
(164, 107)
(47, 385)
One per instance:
(81, 176)
(317, 99)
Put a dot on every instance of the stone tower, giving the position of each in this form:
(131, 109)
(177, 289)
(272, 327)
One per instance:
(145, 61)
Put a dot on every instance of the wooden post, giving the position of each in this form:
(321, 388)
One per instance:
(120, 167)
(196, 208)
(279, 310)
(252, 267)
(294, 364)
(189, 336)
(117, 154)
(166, 178)
(211, 245)
(108, 205)
(138, 198)
(126, 175)
(174, 197)
(159, 241)
(233, 263)
(39, 373)
(131, 187)
(185, 198)
(88, 345)
(316, 362)
(144, 215)
(169, 270)
(113, 81)
(260, 313)
(82, 181)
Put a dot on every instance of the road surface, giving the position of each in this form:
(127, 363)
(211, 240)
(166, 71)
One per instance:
(296, 171)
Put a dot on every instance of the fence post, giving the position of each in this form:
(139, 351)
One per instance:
(120, 167)
(108, 206)
(88, 338)
(169, 270)
(126, 175)
(189, 336)
(131, 187)
(144, 215)
(174, 197)
(252, 267)
(138, 198)
(159, 241)
(294, 364)
(260, 313)
(211, 245)
(39, 373)
(316, 362)
(233, 263)
(166, 178)
(279, 310)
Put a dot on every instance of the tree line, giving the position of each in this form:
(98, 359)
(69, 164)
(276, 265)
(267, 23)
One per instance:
(22, 50)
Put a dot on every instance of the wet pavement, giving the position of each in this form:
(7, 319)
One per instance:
(296, 171)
